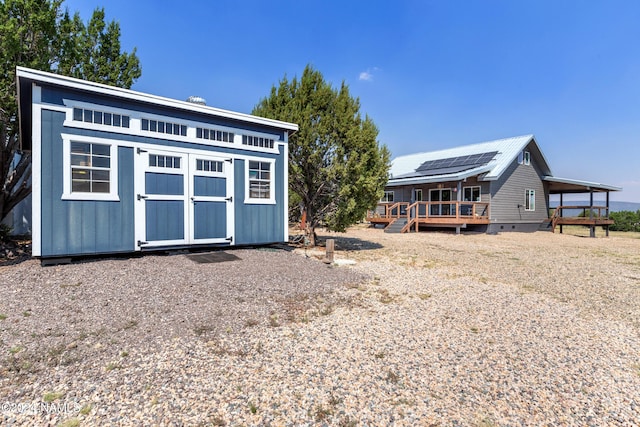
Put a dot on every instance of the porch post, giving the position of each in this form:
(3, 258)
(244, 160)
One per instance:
(458, 198)
(606, 227)
(592, 233)
(561, 194)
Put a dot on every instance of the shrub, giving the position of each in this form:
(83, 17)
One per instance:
(625, 221)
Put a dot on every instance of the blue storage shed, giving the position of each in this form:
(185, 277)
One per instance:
(115, 170)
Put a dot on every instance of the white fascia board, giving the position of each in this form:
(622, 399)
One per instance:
(44, 77)
(595, 185)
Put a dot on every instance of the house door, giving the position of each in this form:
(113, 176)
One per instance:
(182, 199)
(441, 195)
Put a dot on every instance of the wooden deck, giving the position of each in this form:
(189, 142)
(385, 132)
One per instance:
(592, 216)
(449, 214)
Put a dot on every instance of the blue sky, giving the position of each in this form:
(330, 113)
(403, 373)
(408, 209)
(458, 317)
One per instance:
(431, 74)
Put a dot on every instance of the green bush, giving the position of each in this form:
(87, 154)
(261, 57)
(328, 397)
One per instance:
(625, 221)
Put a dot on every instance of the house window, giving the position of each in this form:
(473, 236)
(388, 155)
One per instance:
(209, 165)
(260, 182)
(388, 197)
(214, 134)
(160, 126)
(90, 168)
(417, 195)
(257, 141)
(160, 161)
(471, 194)
(100, 117)
(530, 200)
(527, 158)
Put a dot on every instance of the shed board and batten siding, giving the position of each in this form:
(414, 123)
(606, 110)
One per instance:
(66, 226)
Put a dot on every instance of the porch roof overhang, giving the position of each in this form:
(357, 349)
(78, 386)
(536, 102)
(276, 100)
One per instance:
(413, 179)
(565, 185)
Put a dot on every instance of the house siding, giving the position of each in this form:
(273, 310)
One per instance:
(508, 195)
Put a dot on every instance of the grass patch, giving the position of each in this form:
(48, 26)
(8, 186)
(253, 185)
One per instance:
(273, 321)
(86, 409)
(251, 322)
(26, 313)
(112, 366)
(52, 396)
(71, 422)
(15, 350)
(392, 377)
(130, 325)
(253, 408)
(3, 316)
(204, 329)
(70, 285)
(424, 296)
(385, 297)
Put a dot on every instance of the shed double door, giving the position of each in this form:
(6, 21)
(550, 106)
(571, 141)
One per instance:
(183, 199)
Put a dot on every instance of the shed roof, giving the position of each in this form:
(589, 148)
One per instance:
(29, 74)
(405, 169)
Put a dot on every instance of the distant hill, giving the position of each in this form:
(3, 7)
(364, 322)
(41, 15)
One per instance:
(613, 206)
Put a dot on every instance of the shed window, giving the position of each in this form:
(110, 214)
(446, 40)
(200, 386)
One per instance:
(90, 168)
(160, 161)
(530, 200)
(527, 158)
(257, 141)
(160, 126)
(260, 182)
(100, 117)
(209, 165)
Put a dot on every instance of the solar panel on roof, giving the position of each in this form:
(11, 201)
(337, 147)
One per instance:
(455, 164)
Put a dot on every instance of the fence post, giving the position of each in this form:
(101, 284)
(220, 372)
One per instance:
(330, 245)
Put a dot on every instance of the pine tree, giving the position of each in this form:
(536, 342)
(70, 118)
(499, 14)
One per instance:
(36, 34)
(337, 168)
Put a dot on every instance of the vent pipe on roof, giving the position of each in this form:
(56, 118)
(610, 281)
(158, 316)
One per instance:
(197, 100)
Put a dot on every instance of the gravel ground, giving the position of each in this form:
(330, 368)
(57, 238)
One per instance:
(425, 329)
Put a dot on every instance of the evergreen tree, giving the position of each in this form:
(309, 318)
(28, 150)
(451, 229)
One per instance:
(37, 34)
(337, 168)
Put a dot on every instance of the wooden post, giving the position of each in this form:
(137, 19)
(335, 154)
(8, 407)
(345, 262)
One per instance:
(607, 212)
(330, 245)
(560, 211)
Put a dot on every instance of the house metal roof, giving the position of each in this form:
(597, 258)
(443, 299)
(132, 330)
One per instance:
(404, 168)
(565, 185)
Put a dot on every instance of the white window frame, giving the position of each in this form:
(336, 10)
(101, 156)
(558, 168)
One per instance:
(417, 191)
(530, 200)
(272, 183)
(471, 188)
(67, 194)
(527, 158)
(385, 198)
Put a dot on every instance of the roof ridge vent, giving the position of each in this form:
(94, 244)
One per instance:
(197, 100)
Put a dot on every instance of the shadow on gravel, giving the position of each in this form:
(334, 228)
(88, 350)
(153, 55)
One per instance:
(352, 244)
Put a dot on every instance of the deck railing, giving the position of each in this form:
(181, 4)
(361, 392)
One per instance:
(591, 215)
(453, 212)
